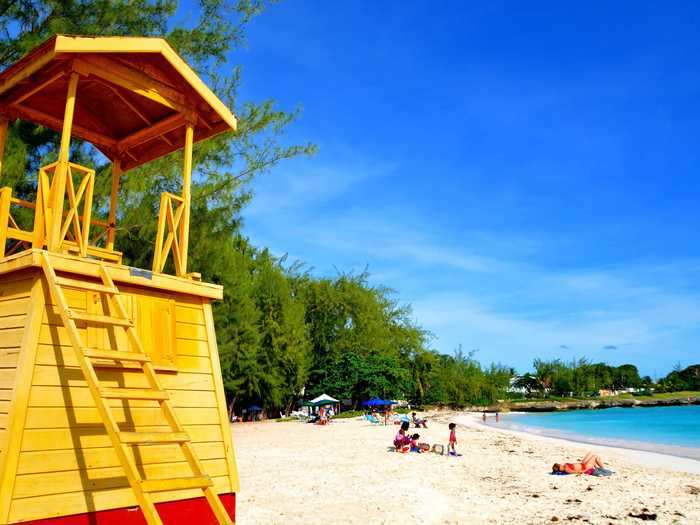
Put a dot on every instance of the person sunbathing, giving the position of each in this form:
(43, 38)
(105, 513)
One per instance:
(587, 465)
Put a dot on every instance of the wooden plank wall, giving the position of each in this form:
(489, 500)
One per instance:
(14, 306)
(67, 465)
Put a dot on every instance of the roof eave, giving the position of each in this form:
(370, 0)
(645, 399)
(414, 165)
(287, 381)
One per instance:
(69, 44)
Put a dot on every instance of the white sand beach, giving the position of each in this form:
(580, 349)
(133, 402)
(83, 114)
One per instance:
(345, 473)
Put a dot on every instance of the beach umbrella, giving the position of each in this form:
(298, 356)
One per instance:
(254, 408)
(324, 399)
(375, 402)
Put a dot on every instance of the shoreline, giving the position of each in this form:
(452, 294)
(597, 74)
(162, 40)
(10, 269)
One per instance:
(544, 405)
(644, 458)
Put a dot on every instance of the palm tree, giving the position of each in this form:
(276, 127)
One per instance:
(528, 382)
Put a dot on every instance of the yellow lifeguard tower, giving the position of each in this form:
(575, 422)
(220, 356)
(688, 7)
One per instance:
(112, 408)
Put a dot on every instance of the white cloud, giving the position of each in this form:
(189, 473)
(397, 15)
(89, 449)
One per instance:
(306, 184)
(489, 290)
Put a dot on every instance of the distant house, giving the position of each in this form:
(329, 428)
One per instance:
(604, 392)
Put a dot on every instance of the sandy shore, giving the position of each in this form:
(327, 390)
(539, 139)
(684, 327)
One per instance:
(344, 473)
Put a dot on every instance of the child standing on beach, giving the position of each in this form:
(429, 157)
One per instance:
(453, 440)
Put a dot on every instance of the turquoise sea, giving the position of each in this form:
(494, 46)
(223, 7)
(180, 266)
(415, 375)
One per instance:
(669, 430)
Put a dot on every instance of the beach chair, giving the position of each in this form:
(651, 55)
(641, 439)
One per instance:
(372, 419)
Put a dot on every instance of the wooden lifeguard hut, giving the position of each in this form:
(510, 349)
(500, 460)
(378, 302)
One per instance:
(112, 407)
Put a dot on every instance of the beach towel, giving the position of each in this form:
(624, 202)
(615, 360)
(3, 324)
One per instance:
(598, 472)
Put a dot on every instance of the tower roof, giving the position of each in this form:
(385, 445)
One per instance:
(133, 99)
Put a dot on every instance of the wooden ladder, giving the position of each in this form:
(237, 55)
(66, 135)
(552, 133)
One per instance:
(143, 488)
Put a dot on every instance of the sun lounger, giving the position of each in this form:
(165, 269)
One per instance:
(372, 419)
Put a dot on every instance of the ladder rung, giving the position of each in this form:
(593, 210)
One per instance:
(116, 355)
(133, 393)
(162, 485)
(100, 319)
(93, 287)
(153, 437)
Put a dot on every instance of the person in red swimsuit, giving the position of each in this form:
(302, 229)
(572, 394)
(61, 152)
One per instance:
(587, 465)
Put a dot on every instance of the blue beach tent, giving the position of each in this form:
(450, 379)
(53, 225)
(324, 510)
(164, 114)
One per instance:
(376, 402)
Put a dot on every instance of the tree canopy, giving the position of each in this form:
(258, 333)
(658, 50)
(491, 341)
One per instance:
(580, 377)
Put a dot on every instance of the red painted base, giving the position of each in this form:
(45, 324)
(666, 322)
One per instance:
(186, 511)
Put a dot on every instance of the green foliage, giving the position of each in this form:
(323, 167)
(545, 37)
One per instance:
(459, 380)
(360, 339)
(527, 382)
(349, 414)
(578, 378)
(681, 379)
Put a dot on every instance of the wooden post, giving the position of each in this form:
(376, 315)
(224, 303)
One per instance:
(87, 212)
(11, 441)
(157, 265)
(58, 185)
(186, 196)
(112, 220)
(3, 138)
(41, 211)
(5, 193)
(5, 200)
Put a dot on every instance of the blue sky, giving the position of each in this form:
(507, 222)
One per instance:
(524, 174)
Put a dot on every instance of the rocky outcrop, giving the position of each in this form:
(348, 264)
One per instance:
(553, 406)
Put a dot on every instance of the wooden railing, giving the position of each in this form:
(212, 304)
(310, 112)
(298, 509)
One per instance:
(76, 222)
(73, 221)
(173, 241)
(9, 229)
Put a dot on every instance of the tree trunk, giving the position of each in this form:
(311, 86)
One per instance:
(230, 408)
(288, 408)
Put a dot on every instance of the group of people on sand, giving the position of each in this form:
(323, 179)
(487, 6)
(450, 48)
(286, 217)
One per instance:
(323, 417)
(591, 464)
(403, 442)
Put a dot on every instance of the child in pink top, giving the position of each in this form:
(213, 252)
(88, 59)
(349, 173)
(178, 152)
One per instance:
(453, 440)
(415, 446)
(401, 440)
